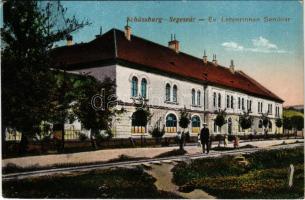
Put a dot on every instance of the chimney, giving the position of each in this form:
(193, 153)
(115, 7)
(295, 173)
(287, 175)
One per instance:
(69, 39)
(232, 67)
(101, 33)
(173, 43)
(205, 58)
(127, 31)
(214, 59)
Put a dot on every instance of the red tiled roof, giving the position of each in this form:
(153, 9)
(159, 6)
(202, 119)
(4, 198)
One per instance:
(114, 46)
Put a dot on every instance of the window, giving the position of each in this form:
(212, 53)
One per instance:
(219, 100)
(134, 87)
(193, 97)
(144, 88)
(195, 124)
(168, 92)
(260, 124)
(228, 101)
(258, 107)
(277, 111)
(261, 107)
(175, 93)
(232, 102)
(171, 123)
(269, 109)
(214, 99)
(250, 105)
(238, 102)
(137, 125)
(198, 97)
(242, 104)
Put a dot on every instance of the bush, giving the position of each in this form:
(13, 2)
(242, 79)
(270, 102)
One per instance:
(276, 158)
(103, 136)
(82, 137)
(157, 132)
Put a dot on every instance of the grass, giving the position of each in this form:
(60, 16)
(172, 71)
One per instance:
(12, 168)
(175, 152)
(264, 177)
(110, 183)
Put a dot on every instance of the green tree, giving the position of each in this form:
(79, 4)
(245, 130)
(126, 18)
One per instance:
(29, 32)
(297, 122)
(278, 122)
(64, 94)
(142, 115)
(184, 122)
(245, 120)
(287, 124)
(96, 114)
(266, 121)
(220, 119)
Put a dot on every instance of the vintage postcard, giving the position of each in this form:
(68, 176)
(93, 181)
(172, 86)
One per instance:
(152, 99)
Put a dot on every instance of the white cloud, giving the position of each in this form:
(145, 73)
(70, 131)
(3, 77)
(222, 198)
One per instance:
(263, 43)
(232, 46)
(260, 45)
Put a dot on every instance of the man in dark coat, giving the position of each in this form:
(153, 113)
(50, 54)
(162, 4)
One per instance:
(205, 137)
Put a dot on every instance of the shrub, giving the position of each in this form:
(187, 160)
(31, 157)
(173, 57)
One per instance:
(103, 136)
(82, 137)
(157, 132)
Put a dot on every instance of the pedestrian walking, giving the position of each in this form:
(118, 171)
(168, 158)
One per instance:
(225, 140)
(236, 142)
(205, 137)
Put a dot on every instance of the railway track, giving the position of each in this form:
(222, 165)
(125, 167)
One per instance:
(89, 167)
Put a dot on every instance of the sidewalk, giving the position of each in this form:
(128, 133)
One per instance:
(108, 154)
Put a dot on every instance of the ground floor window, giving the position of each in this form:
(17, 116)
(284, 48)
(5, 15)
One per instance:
(171, 124)
(195, 124)
(137, 123)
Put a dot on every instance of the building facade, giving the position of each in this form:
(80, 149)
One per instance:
(170, 80)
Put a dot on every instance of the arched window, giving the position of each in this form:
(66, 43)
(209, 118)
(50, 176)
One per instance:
(193, 97)
(228, 101)
(168, 92)
(144, 88)
(138, 122)
(195, 124)
(198, 97)
(175, 93)
(260, 124)
(134, 87)
(171, 123)
(219, 100)
(214, 99)
(232, 102)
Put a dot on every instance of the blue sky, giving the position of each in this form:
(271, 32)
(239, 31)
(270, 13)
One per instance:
(272, 53)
